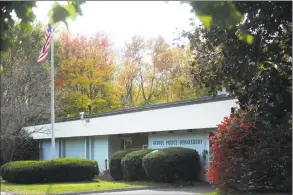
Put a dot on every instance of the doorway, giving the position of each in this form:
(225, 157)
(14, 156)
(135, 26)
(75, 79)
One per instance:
(126, 142)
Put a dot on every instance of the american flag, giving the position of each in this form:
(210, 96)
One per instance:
(45, 48)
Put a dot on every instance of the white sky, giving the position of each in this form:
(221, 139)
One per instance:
(122, 19)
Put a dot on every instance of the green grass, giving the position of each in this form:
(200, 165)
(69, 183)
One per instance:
(55, 188)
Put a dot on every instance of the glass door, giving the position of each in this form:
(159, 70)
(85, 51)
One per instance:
(127, 142)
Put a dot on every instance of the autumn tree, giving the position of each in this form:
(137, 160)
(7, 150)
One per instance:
(153, 71)
(140, 57)
(135, 55)
(127, 78)
(85, 74)
(174, 78)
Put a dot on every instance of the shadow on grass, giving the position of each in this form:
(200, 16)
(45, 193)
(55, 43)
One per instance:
(49, 190)
(108, 178)
(51, 185)
(43, 188)
(95, 181)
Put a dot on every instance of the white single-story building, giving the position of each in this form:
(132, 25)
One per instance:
(186, 123)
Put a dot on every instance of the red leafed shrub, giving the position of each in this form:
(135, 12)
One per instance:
(251, 156)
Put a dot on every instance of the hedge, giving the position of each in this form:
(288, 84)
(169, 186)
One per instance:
(115, 163)
(171, 164)
(132, 165)
(251, 156)
(59, 170)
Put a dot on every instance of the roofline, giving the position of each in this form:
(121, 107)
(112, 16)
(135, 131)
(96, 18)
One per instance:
(146, 108)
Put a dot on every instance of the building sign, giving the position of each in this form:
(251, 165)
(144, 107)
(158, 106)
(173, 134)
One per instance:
(177, 142)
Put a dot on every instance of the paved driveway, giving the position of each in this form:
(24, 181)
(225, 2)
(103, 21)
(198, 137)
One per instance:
(197, 189)
(158, 191)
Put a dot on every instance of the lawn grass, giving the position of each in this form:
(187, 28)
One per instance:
(56, 188)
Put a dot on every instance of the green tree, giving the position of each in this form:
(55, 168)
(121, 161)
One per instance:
(257, 74)
(224, 14)
(24, 12)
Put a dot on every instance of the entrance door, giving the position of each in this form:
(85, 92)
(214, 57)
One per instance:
(126, 142)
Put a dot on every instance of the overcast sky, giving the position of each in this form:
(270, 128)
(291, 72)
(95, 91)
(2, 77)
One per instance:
(122, 19)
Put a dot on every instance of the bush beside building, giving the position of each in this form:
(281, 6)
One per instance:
(115, 163)
(59, 170)
(172, 164)
(132, 165)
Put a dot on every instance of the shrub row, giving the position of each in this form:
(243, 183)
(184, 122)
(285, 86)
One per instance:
(59, 170)
(132, 165)
(115, 163)
(163, 165)
(172, 164)
(251, 156)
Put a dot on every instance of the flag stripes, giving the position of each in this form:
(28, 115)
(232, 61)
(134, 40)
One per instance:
(45, 47)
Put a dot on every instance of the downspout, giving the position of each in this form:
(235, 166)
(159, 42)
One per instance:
(40, 149)
(204, 151)
(90, 148)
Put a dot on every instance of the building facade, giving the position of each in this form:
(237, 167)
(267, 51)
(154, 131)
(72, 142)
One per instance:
(178, 124)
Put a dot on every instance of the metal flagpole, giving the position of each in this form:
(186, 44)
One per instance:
(52, 98)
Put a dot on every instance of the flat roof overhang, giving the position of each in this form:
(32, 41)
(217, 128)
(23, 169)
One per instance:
(200, 113)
